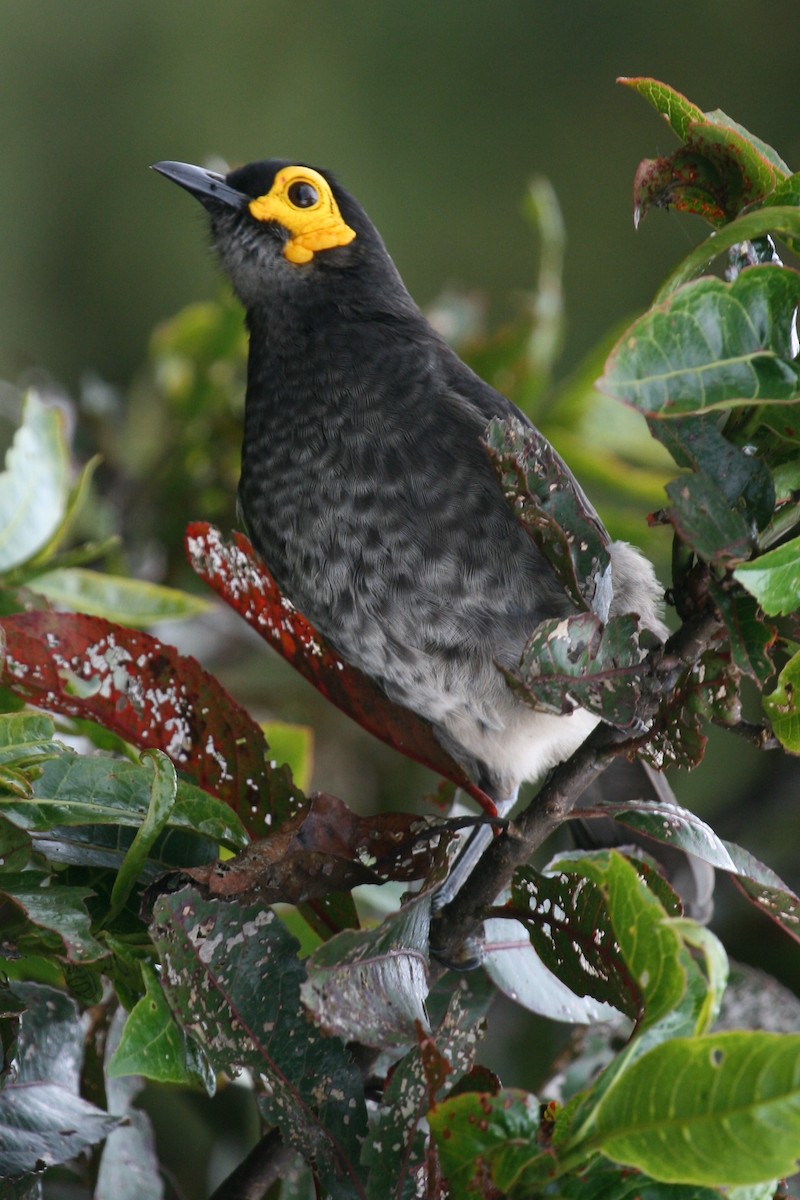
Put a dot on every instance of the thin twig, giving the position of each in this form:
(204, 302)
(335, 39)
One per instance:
(266, 1163)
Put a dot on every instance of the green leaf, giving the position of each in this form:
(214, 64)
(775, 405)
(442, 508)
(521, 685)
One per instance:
(781, 221)
(57, 908)
(743, 478)
(751, 638)
(549, 503)
(604, 1180)
(154, 1045)
(670, 104)
(127, 601)
(15, 847)
(711, 345)
(604, 935)
(370, 986)
(675, 826)
(129, 1168)
(783, 706)
(657, 963)
(35, 483)
(77, 790)
(163, 792)
(703, 518)
(479, 1135)
(774, 578)
(716, 967)
(720, 169)
(721, 1110)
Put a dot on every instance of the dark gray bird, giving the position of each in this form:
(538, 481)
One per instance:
(365, 487)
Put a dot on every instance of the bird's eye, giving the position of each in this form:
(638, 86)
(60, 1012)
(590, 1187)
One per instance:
(302, 194)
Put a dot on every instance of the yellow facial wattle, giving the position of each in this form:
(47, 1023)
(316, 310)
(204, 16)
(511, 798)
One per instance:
(301, 200)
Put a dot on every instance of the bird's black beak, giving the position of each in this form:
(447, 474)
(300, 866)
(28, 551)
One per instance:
(206, 186)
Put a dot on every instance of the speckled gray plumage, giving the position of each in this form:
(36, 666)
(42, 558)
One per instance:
(367, 491)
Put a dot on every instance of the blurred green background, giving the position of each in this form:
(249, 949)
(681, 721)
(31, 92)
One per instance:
(435, 115)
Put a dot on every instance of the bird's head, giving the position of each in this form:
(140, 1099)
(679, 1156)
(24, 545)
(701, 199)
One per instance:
(282, 227)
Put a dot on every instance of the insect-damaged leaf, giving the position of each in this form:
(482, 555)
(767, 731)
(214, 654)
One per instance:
(782, 706)
(706, 690)
(675, 826)
(152, 696)
(721, 168)
(395, 1150)
(603, 934)
(488, 1145)
(232, 977)
(578, 662)
(548, 501)
(236, 573)
(370, 985)
(326, 847)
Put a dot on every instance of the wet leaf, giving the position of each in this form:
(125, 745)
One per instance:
(235, 572)
(781, 221)
(721, 168)
(370, 986)
(711, 345)
(742, 478)
(232, 978)
(152, 696)
(548, 501)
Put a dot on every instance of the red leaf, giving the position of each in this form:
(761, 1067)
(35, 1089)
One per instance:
(235, 572)
(325, 848)
(151, 696)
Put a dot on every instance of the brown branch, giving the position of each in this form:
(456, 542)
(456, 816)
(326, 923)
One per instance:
(266, 1163)
(461, 918)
